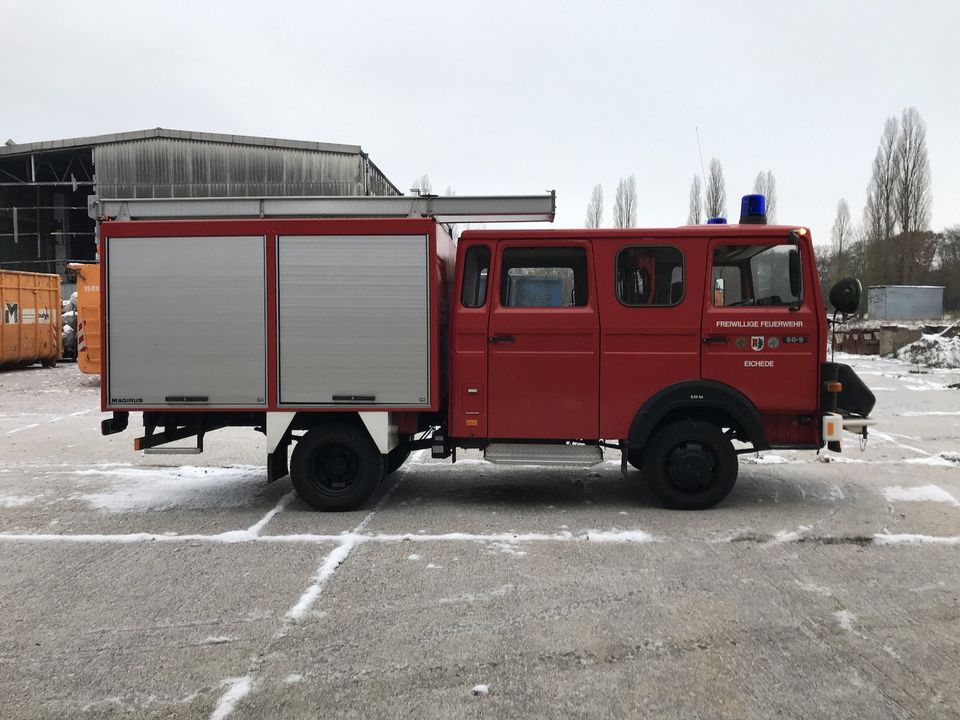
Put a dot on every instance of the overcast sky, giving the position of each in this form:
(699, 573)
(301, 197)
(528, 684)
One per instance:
(515, 97)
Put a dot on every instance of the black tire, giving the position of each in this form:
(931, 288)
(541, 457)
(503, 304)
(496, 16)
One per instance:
(336, 467)
(635, 458)
(395, 460)
(690, 465)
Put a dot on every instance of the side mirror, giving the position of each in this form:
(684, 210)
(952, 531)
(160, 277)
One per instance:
(845, 295)
(796, 273)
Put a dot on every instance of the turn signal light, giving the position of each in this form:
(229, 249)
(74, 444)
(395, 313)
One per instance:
(834, 387)
(472, 422)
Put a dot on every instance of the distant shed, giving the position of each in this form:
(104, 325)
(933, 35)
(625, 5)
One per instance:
(905, 302)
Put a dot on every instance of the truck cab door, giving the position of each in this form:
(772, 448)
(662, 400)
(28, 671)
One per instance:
(760, 331)
(543, 342)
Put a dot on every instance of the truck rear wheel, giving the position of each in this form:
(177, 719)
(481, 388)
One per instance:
(396, 459)
(690, 465)
(336, 467)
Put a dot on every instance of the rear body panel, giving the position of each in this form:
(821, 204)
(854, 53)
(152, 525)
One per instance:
(266, 297)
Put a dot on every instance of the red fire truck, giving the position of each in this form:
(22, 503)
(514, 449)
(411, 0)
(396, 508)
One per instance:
(356, 330)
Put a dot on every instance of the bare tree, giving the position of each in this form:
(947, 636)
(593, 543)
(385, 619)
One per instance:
(695, 209)
(912, 188)
(879, 213)
(841, 237)
(625, 203)
(595, 208)
(716, 195)
(821, 254)
(766, 184)
(422, 185)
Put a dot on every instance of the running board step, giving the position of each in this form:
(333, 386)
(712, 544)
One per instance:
(539, 454)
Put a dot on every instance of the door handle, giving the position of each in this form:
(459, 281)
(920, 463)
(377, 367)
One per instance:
(497, 339)
(715, 340)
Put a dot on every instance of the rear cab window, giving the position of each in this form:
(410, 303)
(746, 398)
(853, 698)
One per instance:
(649, 276)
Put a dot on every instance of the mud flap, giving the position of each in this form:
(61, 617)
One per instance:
(277, 462)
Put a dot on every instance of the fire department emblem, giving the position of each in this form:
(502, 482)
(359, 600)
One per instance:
(773, 343)
(756, 343)
(741, 342)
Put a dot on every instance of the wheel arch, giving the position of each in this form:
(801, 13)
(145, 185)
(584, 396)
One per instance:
(379, 425)
(699, 399)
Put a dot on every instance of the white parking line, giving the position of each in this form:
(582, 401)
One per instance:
(240, 687)
(46, 422)
(613, 536)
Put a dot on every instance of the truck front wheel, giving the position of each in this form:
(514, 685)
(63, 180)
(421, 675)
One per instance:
(690, 465)
(336, 467)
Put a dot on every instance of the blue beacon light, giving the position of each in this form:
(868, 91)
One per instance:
(716, 221)
(753, 210)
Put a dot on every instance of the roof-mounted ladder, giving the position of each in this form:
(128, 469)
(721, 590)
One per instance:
(447, 209)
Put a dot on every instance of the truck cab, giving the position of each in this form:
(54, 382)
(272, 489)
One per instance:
(667, 343)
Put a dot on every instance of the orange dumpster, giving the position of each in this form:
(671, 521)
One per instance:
(29, 318)
(88, 316)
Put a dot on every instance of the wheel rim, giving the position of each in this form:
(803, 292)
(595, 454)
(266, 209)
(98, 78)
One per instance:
(336, 469)
(691, 466)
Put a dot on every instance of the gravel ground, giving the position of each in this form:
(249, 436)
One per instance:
(133, 586)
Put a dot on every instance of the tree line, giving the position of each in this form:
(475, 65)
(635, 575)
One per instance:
(894, 244)
(708, 201)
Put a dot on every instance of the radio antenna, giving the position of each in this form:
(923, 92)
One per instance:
(703, 171)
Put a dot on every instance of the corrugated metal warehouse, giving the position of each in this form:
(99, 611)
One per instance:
(44, 186)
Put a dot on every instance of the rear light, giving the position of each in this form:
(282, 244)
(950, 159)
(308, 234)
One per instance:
(834, 387)
(832, 427)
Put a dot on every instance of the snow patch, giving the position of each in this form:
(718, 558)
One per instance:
(768, 460)
(924, 493)
(413, 557)
(480, 690)
(470, 598)
(788, 536)
(183, 487)
(942, 459)
(933, 351)
(507, 549)
(838, 459)
(15, 501)
(620, 536)
(292, 679)
(216, 640)
(812, 588)
(845, 618)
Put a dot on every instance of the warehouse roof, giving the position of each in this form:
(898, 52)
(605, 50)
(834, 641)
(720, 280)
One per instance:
(90, 140)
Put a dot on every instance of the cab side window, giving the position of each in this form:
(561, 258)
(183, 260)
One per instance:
(765, 275)
(544, 277)
(650, 276)
(476, 269)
